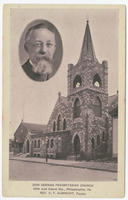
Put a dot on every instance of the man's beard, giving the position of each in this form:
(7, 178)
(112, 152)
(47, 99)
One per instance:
(42, 65)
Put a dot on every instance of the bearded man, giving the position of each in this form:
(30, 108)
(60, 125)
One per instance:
(40, 45)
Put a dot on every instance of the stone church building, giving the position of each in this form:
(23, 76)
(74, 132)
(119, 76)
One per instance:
(80, 125)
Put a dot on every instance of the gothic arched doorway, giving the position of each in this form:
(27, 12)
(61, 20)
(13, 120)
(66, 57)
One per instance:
(93, 148)
(76, 145)
(27, 146)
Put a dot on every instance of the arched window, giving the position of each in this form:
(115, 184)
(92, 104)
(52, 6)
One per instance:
(64, 124)
(52, 143)
(77, 81)
(27, 146)
(77, 144)
(35, 143)
(77, 109)
(38, 143)
(103, 136)
(97, 107)
(97, 81)
(98, 140)
(59, 123)
(93, 143)
(54, 126)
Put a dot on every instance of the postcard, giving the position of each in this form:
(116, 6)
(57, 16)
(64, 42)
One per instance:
(63, 101)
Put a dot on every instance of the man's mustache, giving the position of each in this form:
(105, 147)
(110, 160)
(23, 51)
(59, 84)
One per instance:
(43, 57)
(44, 67)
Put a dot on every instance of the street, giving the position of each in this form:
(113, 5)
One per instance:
(20, 170)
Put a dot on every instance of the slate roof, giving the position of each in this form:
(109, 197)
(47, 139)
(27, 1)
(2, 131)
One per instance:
(24, 128)
(87, 51)
(34, 127)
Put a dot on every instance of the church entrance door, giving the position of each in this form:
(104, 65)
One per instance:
(27, 146)
(76, 145)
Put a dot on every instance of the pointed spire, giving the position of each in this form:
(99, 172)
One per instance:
(87, 52)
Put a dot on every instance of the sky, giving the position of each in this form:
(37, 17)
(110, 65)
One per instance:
(34, 101)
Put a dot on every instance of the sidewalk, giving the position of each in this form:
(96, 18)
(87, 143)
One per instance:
(105, 166)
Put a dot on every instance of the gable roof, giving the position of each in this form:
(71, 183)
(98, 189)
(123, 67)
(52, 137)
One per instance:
(34, 127)
(64, 100)
(25, 127)
(61, 100)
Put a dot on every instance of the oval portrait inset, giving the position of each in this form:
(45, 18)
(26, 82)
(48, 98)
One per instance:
(40, 50)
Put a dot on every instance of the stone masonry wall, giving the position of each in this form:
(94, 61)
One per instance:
(65, 112)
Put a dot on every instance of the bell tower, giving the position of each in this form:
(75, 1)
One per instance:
(88, 73)
(88, 96)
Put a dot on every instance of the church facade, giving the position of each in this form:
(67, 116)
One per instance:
(80, 126)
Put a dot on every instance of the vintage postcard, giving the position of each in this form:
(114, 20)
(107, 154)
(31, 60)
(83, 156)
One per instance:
(63, 101)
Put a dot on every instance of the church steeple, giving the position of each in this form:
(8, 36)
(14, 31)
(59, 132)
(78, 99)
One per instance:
(87, 51)
(88, 72)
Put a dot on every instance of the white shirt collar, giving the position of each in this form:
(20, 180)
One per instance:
(33, 66)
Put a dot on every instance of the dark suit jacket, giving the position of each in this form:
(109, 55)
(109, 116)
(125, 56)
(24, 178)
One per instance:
(27, 67)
